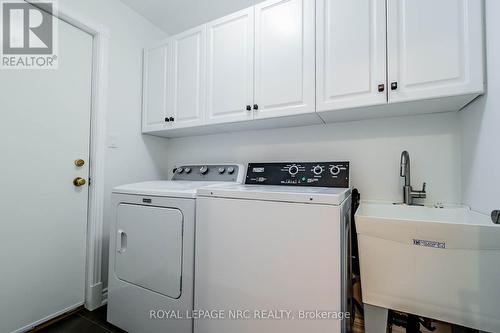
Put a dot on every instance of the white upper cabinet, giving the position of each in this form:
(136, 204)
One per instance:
(350, 54)
(188, 99)
(284, 58)
(435, 48)
(302, 62)
(230, 42)
(155, 87)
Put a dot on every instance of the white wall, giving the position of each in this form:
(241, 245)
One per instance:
(372, 146)
(481, 129)
(137, 157)
(175, 16)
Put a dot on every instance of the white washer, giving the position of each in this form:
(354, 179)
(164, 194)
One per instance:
(275, 247)
(152, 249)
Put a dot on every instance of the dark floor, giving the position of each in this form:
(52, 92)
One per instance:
(83, 321)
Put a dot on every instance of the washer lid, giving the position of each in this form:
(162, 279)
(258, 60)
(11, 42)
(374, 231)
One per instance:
(316, 195)
(164, 188)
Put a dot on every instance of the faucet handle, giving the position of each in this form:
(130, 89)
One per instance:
(419, 194)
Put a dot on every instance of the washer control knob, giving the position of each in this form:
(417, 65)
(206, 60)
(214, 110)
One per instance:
(187, 170)
(317, 170)
(204, 170)
(179, 171)
(293, 170)
(335, 170)
(222, 170)
(230, 170)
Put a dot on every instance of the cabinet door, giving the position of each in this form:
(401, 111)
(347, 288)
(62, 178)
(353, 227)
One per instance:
(350, 53)
(230, 67)
(284, 58)
(434, 48)
(155, 87)
(188, 75)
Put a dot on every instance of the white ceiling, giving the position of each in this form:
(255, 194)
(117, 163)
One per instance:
(174, 16)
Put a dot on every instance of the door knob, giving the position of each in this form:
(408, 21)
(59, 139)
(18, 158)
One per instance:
(79, 162)
(78, 181)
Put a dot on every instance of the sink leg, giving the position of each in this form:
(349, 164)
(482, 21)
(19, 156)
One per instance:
(375, 319)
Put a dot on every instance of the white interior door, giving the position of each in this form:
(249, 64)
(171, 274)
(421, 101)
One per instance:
(434, 48)
(45, 127)
(350, 54)
(156, 87)
(284, 58)
(188, 75)
(230, 67)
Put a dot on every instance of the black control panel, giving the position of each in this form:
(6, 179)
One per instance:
(319, 174)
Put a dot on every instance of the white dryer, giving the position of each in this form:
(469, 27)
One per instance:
(151, 252)
(272, 254)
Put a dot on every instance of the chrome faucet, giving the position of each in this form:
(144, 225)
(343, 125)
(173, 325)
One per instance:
(408, 193)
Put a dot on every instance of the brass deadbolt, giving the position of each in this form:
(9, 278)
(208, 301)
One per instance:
(78, 181)
(79, 162)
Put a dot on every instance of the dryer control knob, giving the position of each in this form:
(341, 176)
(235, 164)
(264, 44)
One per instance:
(187, 170)
(179, 171)
(221, 170)
(230, 170)
(203, 169)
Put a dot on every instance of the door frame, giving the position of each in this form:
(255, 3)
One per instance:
(94, 297)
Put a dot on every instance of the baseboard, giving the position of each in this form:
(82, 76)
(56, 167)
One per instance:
(48, 318)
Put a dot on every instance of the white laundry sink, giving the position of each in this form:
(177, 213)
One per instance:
(441, 263)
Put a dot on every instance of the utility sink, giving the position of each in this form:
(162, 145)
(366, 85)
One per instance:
(441, 263)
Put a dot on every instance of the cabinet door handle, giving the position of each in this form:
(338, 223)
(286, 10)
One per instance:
(381, 87)
(167, 119)
(255, 107)
(249, 108)
(394, 86)
(171, 118)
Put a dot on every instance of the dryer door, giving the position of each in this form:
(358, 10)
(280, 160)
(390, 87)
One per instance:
(149, 248)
